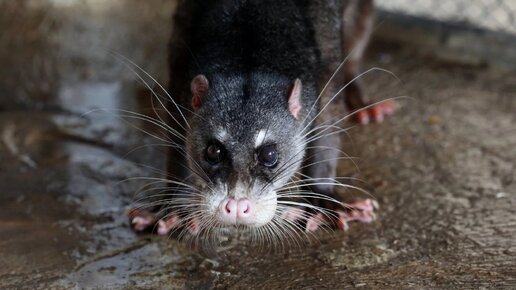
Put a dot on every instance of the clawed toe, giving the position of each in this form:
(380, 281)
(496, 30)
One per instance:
(167, 224)
(362, 211)
(364, 205)
(194, 226)
(141, 219)
(314, 222)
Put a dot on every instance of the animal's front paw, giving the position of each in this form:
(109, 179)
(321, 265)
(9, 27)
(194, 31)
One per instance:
(360, 210)
(143, 220)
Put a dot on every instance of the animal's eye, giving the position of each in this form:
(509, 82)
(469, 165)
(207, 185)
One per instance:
(268, 156)
(213, 154)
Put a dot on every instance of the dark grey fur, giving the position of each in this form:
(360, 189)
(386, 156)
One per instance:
(251, 52)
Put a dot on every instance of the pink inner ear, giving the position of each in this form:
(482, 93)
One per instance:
(294, 99)
(199, 88)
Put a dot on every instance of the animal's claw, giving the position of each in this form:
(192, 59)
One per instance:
(167, 224)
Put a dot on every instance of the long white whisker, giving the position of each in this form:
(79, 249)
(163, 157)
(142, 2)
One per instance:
(159, 85)
(362, 109)
(328, 83)
(344, 87)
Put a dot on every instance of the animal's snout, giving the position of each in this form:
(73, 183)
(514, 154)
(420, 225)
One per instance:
(240, 211)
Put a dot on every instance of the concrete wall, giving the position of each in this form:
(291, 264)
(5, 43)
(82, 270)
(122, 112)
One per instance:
(498, 15)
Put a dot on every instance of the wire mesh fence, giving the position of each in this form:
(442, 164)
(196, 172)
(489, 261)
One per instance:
(498, 15)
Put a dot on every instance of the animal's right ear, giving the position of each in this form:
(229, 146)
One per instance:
(199, 88)
(294, 99)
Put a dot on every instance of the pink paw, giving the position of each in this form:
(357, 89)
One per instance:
(167, 224)
(194, 226)
(361, 211)
(294, 214)
(375, 113)
(141, 219)
(314, 222)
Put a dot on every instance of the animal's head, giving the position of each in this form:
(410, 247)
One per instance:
(246, 141)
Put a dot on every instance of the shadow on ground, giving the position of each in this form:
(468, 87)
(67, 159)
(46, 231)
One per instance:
(443, 169)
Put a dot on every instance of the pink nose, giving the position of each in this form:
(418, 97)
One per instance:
(236, 211)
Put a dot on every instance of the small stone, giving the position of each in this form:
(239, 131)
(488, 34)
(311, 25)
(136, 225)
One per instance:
(359, 284)
(501, 194)
(434, 120)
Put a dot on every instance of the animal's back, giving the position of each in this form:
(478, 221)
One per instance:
(245, 36)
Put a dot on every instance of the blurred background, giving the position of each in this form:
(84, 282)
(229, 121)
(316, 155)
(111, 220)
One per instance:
(497, 15)
(443, 168)
(48, 42)
(474, 32)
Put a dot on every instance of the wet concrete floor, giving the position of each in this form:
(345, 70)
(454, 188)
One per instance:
(443, 169)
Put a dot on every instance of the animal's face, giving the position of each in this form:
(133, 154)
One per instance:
(245, 143)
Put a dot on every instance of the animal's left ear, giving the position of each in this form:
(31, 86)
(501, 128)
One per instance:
(199, 88)
(294, 99)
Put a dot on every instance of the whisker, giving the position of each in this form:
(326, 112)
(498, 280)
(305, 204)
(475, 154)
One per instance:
(156, 82)
(365, 108)
(328, 83)
(344, 87)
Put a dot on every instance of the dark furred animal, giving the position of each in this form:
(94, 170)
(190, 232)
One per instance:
(250, 82)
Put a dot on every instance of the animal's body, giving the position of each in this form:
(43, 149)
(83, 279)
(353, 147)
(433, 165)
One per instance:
(250, 80)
